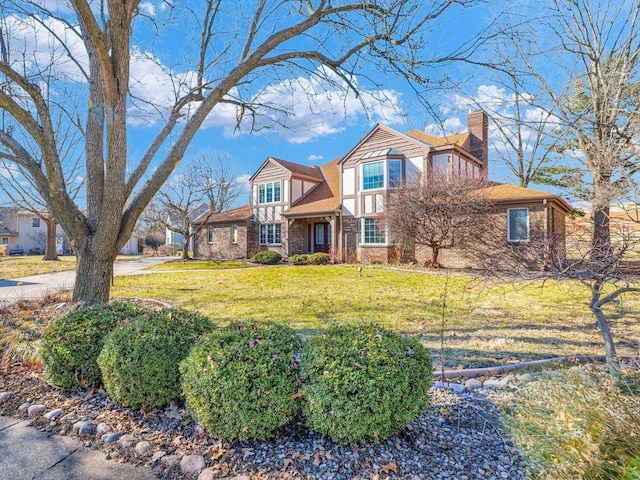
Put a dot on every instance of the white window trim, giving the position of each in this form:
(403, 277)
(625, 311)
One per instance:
(361, 235)
(509, 240)
(266, 225)
(234, 227)
(209, 235)
(273, 192)
(385, 184)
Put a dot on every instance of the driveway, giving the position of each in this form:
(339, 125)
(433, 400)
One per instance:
(36, 286)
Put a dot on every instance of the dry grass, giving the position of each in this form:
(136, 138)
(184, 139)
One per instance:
(23, 266)
(485, 326)
(26, 265)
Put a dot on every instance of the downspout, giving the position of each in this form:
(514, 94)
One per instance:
(546, 234)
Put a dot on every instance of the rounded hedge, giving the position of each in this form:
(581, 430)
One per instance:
(139, 361)
(319, 258)
(240, 382)
(267, 257)
(299, 259)
(70, 346)
(363, 383)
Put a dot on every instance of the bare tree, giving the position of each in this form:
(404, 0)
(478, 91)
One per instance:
(440, 214)
(180, 202)
(240, 50)
(218, 181)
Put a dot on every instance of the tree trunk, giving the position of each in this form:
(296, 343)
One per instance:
(605, 329)
(435, 251)
(601, 244)
(185, 249)
(50, 252)
(93, 277)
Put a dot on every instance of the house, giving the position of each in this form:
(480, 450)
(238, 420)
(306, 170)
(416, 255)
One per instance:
(173, 222)
(24, 232)
(337, 208)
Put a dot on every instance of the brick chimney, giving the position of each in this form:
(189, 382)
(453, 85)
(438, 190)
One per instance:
(478, 124)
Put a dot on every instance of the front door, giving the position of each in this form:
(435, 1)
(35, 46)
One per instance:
(322, 237)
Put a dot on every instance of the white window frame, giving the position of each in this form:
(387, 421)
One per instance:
(509, 239)
(385, 172)
(234, 234)
(35, 222)
(4, 241)
(362, 232)
(209, 234)
(264, 189)
(269, 233)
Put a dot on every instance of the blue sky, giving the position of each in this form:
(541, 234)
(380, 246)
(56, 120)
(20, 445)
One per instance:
(325, 125)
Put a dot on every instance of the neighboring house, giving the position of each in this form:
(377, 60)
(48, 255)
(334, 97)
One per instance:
(177, 239)
(337, 208)
(23, 231)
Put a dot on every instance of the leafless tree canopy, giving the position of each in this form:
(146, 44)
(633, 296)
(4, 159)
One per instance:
(440, 214)
(233, 52)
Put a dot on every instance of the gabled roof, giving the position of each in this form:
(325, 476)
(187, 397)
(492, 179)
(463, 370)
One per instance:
(505, 193)
(459, 139)
(295, 168)
(240, 214)
(376, 127)
(324, 197)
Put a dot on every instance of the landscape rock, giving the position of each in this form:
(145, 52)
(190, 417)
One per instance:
(103, 428)
(473, 384)
(84, 427)
(192, 464)
(127, 441)
(110, 437)
(142, 448)
(495, 383)
(157, 456)
(208, 474)
(170, 460)
(240, 477)
(4, 396)
(24, 406)
(36, 409)
(54, 414)
(457, 387)
(525, 377)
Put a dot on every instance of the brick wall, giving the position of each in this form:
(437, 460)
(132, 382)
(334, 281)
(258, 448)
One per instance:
(297, 237)
(221, 248)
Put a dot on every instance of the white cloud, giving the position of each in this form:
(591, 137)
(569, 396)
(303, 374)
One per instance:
(305, 108)
(243, 181)
(147, 8)
(450, 126)
(314, 158)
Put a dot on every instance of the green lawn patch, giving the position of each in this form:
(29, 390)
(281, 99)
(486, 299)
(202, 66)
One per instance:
(178, 265)
(485, 326)
(25, 265)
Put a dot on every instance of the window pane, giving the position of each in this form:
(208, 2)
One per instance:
(319, 233)
(518, 224)
(234, 234)
(261, 194)
(277, 236)
(372, 231)
(263, 234)
(210, 234)
(395, 173)
(269, 192)
(35, 222)
(440, 164)
(372, 175)
(276, 191)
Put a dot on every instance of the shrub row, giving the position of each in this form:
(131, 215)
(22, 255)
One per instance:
(267, 257)
(317, 258)
(243, 381)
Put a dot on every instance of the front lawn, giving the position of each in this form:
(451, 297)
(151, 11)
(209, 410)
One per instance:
(484, 326)
(25, 265)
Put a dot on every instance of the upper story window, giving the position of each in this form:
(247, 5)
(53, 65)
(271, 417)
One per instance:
(381, 174)
(518, 225)
(35, 222)
(269, 192)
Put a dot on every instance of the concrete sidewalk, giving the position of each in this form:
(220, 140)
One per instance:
(29, 454)
(36, 286)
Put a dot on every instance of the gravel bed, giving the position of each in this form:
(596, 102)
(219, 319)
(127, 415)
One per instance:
(458, 437)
